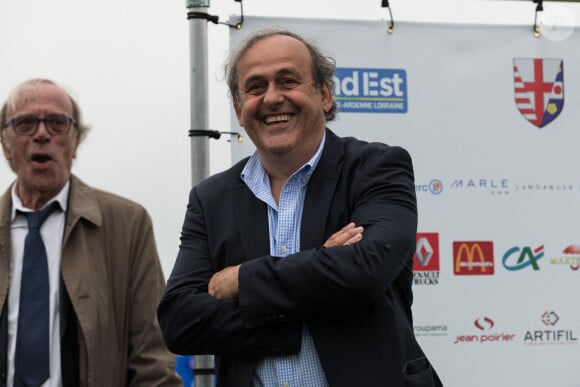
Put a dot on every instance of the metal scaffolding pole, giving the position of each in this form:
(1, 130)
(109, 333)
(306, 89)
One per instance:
(199, 88)
(204, 369)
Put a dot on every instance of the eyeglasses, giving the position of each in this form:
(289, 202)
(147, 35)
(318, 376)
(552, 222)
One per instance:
(28, 125)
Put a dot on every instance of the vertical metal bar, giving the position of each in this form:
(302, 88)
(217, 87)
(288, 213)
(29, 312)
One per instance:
(199, 91)
(204, 369)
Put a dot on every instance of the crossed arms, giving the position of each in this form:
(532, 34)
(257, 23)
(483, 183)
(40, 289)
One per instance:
(218, 301)
(224, 284)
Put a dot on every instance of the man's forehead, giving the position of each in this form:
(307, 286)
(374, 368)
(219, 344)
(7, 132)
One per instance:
(278, 60)
(40, 94)
(273, 43)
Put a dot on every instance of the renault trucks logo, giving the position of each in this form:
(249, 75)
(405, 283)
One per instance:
(427, 252)
(361, 90)
(473, 258)
(523, 258)
(539, 89)
(426, 259)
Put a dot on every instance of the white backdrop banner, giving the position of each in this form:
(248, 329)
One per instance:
(491, 117)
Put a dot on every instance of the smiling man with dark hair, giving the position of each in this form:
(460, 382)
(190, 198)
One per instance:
(295, 265)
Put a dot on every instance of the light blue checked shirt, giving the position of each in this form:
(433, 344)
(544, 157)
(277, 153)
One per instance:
(304, 368)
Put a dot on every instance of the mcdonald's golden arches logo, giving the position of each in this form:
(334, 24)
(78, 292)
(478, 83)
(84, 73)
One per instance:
(473, 258)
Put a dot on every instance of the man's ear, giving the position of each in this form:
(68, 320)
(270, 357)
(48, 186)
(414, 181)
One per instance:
(327, 98)
(75, 145)
(238, 110)
(6, 147)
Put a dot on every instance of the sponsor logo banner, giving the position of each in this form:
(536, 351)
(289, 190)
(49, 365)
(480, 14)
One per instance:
(496, 186)
(430, 330)
(426, 259)
(426, 256)
(485, 325)
(435, 186)
(539, 89)
(364, 90)
(523, 257)
(570, 257)
(473, 258)
(548, 334)
(546, 187)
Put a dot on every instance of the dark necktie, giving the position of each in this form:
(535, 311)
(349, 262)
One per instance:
(31, 361)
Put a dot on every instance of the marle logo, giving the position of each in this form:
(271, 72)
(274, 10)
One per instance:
(493, 186)
(427, 252)
(550, 318)
(473, 258)
(483, 323)
(526, 257)
(539, 89)
(362, 90)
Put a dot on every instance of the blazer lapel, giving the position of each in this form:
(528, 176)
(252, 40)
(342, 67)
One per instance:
(252, 216)
(5, 223)
(252, 221)
(319, 194)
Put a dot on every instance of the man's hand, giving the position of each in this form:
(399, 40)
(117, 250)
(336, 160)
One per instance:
(224, 284)
(348, 235)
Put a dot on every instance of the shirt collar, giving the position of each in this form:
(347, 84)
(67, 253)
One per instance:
(254, 172)
(61, 198)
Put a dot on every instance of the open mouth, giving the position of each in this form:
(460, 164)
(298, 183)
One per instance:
(41, 158)
(277, 119)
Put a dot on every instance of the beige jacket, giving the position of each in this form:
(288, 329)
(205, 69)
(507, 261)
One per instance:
(111, 270)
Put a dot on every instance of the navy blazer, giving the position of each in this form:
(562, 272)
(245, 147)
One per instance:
(356, 300)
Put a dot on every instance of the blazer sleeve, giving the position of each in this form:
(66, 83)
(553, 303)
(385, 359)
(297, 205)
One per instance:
(191, 320)
(375, 189)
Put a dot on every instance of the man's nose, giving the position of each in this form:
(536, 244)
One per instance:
(42, 130)
(273, 94)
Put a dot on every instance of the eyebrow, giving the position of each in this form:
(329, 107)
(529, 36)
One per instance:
(279, 73)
